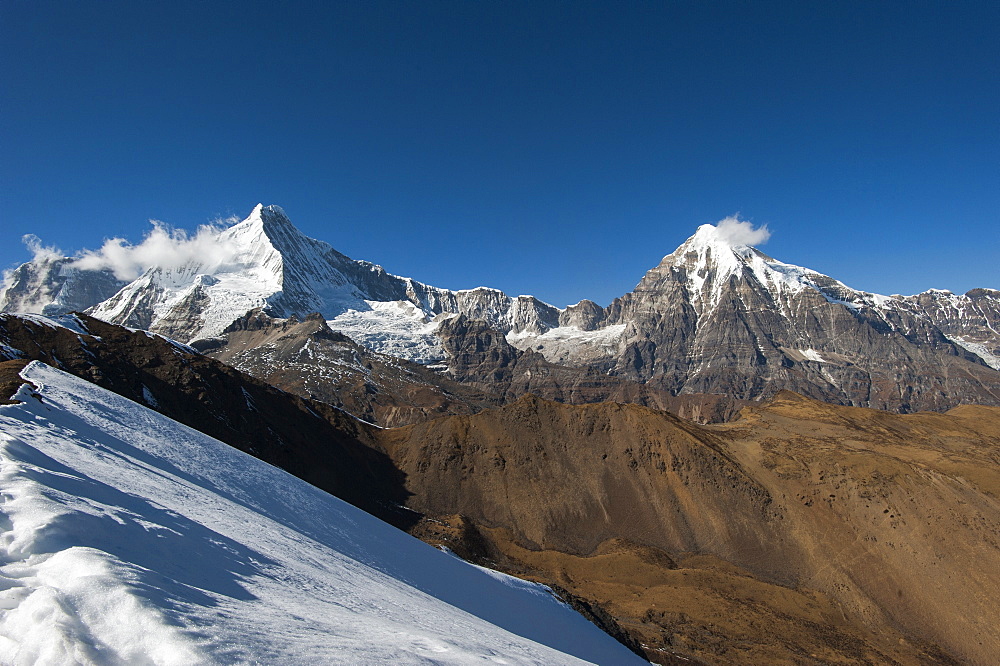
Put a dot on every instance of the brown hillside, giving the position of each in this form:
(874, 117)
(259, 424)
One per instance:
(802, 533)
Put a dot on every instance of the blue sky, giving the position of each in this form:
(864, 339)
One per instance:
(554, 148)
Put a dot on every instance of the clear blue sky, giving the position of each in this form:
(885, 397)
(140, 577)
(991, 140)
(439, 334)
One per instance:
(554, 148)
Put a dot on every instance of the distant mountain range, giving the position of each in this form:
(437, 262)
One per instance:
(712, 326)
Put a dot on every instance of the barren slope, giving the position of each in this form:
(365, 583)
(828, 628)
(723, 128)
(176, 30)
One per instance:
(802, 533)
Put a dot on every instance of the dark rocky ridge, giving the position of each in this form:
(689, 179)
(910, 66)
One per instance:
(974, 316)
(312, 440)
(307, 358)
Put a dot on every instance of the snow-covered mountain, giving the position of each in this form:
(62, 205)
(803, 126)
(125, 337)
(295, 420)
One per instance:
(721, 317)
(129, 538)
(716, 316)
(265, 262)
(703, 272)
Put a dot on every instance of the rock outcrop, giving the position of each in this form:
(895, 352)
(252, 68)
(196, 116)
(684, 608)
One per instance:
(307, 358)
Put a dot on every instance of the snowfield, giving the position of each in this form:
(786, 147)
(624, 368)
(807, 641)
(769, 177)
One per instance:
(127, 538)
(569, 344)
(396, 328)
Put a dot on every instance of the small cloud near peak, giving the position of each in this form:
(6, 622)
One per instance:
(162, 247)
(736, 232)
(38, 251)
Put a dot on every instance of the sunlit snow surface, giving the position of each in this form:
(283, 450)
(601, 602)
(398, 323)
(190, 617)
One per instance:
(569, 343)
(397, 328)
(128, 538)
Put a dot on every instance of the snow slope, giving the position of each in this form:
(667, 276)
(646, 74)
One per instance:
(129, 538)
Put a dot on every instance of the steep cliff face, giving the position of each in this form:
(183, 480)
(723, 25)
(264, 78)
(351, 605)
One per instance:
(480, 356)
(970, 320)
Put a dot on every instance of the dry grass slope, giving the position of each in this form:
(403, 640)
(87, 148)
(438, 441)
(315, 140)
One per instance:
(801, 533)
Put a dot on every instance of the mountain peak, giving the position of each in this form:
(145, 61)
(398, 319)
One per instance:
(272, 213)
(722, 246)
(269, 218)
(730, 233)
(269, 231)
(707, 261)
(710, 234)
(710, 249)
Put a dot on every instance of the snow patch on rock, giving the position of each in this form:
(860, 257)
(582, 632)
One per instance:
(979, 349)
(569, 344)
(396, 328)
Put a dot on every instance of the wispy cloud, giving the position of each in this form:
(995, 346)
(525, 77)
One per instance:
(41, 252)
(162, 247)
(735, 231)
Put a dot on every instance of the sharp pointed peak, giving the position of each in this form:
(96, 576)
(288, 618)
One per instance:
(725, 245)
(268, 215)
(271, 221)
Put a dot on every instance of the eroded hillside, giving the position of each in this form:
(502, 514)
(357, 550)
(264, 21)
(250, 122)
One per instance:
(801, 533)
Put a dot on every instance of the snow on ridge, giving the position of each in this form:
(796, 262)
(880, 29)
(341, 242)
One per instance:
(569, 343)
(812, 355)
(139, 540)
(265, 262)
(8, 353)
(69, 322)
(709, 258)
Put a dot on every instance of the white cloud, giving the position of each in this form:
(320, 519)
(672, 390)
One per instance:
(41, 252)
(735, 231)
(162, 247)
